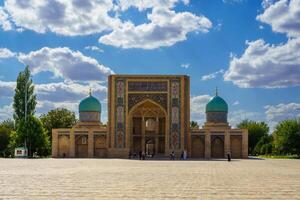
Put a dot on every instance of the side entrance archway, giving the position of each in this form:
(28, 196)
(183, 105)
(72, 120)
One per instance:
(198, 147)
(217, 147)
(81, 146)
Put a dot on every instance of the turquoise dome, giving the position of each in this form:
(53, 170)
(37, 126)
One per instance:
(90, 104)
(217, 104)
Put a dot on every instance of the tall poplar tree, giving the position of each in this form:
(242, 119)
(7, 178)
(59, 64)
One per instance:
(24, 89)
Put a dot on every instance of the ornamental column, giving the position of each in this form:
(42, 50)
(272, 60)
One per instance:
(156, 135)
(90, 144)
(54, 143)
(227, 143)
(245, 143)
(207, 144)
(143, 134)
(72, 143)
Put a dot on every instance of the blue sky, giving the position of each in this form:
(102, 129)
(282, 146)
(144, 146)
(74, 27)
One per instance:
(249, 49)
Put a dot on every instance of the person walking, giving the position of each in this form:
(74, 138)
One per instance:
(228, 156)
(184, 155)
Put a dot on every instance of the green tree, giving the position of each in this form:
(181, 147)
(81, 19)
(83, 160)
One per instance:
(264, 145)
(194, 124)
(8, 123)
(4, 140)
(287, 137)
(57, 118)
(24, 92)
(36, 137)
(6, 127)
(256, 130)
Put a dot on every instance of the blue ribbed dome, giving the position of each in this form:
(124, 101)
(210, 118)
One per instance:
(217, 104)
(90, 104)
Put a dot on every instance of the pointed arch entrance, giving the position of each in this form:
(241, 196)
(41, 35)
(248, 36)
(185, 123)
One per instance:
(148, 128)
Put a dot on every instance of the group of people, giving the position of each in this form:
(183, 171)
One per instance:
(183, 155)
(142, 156)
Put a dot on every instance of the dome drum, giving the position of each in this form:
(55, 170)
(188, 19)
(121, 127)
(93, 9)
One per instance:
(89, 116)
(216, 117)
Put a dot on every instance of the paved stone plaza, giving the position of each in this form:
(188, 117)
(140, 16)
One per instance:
(134, 179)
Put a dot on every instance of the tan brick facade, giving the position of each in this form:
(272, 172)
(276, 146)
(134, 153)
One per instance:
(151, 115)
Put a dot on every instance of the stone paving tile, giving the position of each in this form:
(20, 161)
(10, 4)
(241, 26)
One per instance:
(133, 179)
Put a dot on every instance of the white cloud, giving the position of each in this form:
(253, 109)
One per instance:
(6, 53)
(54, 95)
(94, 48)
(283, 16)
(6, 112)
(143, 5)
(65, 63)
(185, 65)
(77, 17)
(166, 27)
(212, 75)
(68, 91)
(279, 112)
(237, 116)
(80, 17)
(78, 71)
(236, 103)
(267, 3)
(45, 106)
(233, 1)
(197, 107)
(4, 21)
(7, 89)
(266, 66)
(282, 111)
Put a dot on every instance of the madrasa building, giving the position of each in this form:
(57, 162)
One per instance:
(149, 114)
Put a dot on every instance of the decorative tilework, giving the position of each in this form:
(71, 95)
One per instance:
(175, 114)
(120, 114)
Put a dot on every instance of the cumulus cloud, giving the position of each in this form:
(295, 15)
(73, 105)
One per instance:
(236, 103)
(94, 48)
(6, 112)
(233, 1)
(266, 66)
(166, 27)
(185, 65)
(76, 17)
(271, 66)
(212, 75)
(197, 107)
(80, 17)
(79, 74)
(237, 116)
(279, 112)
(4, 20)
(143, 5)
(7, 89)
(54, 95)
(267, 3)
(65, 63)
(46, 106)
(283, 16)
(282, 111)
(6, 53)
(68, 91)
